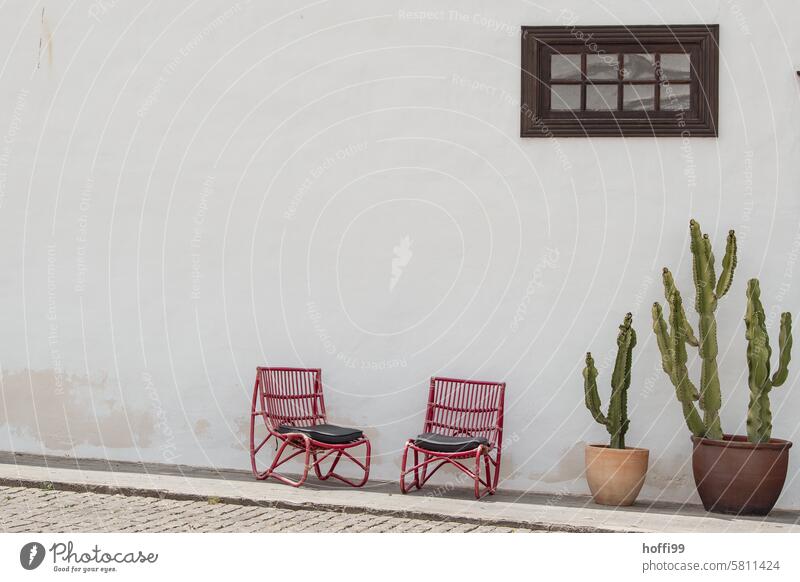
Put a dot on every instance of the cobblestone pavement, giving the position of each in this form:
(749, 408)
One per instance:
(27, 509)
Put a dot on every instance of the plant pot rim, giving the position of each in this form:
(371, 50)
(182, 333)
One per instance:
(617, 451)
(736, 441)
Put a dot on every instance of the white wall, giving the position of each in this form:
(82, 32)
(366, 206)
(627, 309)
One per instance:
(188, 192)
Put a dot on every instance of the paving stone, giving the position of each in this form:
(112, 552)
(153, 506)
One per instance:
(24, 509)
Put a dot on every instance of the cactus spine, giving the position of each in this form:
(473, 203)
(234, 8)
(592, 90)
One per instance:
(672, 338)
(759, 416)
(616, 420)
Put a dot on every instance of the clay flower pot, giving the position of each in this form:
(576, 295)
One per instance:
(615, 476)
(737, 477)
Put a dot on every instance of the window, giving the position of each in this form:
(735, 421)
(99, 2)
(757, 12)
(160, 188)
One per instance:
(619, 81)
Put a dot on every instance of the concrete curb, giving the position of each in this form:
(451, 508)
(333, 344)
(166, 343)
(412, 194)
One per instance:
(298, 506)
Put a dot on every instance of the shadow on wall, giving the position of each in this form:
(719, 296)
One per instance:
(63, 412)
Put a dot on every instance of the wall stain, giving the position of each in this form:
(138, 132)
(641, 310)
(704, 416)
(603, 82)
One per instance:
(201, 427)
(242, 432)
(45, 41)
(670, 472)
(64, 412)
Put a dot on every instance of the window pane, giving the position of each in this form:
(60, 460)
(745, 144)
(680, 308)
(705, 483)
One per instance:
(565, 97)
(565, 67)
(601, 97)
(638, 97)
(675, 67)
(639, 67)
(674, 97)
(602, 66)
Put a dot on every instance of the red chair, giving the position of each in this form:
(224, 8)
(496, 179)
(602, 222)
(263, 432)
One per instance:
(291, 405)
(464, 420)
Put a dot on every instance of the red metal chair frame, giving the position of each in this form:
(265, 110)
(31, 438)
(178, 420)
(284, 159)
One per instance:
(458, 407)
(293, 396)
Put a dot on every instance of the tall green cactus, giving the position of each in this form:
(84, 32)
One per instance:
(616, 420)
(671, 338)
(759, 416)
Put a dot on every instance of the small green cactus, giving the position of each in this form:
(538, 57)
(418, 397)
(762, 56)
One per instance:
(616, 420)
(759, 416)
(672, 338)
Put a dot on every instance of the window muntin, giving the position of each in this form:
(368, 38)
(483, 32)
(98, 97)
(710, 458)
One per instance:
(619, 82)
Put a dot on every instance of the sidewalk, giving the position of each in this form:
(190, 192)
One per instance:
(35, 509)
(506, 509)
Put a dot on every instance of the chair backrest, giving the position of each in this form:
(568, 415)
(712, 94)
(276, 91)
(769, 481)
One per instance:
(458, 407)
(291, 396)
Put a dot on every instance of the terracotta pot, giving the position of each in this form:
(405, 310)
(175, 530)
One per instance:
(615, 476)
(737, 477)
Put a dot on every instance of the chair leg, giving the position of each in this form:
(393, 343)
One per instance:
(330, 472)
(275, 462)
(482, 485)
(253, 449)
(492, 486)
(478, 456)
(496, 480)
(403, 471)
(367, 459)
(490, 479)
(417, 482)
(317, 469)
(253, 453)
(425, 458)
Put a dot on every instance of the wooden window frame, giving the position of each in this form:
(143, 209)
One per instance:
(701, 42)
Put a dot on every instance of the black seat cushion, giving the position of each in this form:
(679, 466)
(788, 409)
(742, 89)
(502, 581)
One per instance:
(449, 444)
(325, 433)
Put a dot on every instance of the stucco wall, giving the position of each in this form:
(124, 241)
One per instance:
(191, 191)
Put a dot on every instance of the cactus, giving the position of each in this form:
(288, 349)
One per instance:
(672, 338)
(616, 419)
(759, 416)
